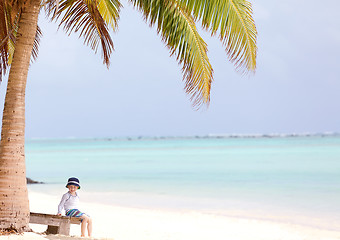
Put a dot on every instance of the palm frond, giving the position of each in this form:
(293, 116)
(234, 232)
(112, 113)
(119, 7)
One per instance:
(178, 31)
(35, 50)
(84, 16)
(233, 20)
(3, 40)
(10, 13)
(109, 10)
(11, 49)
(7, 35)
(12, 38)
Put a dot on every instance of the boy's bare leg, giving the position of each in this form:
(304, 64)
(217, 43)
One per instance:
(89, 227)
(83, 225)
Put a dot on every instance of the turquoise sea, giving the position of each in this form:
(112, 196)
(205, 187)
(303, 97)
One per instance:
(290, 179)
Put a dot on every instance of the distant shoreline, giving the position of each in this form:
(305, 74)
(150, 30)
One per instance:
(209, 136)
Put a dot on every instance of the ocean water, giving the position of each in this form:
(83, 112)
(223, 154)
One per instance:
(290, 179)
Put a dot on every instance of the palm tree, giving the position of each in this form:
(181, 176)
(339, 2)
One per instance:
(175, 21)
(14, 209)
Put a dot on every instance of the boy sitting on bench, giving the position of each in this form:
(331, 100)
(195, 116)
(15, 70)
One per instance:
(70, 202)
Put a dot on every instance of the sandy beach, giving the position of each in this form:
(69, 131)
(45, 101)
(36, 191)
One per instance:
(123, 223)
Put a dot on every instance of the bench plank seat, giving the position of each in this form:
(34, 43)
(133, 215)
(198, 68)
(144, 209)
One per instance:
(56, 224)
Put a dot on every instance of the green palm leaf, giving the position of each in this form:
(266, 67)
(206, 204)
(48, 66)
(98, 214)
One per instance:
(109, 10)
(5, 35)
(233, 20)
(178, 31)
(8, 33)
(85, 16)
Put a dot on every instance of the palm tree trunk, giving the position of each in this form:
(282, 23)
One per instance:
(14, 206)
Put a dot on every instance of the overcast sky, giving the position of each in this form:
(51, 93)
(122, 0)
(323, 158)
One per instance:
(296, 88)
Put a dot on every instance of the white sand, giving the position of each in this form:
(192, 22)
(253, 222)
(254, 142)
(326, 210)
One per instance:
(26, 236)
(122, 223)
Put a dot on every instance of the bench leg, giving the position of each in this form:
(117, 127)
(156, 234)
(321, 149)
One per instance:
(52, 229)
(64, 228)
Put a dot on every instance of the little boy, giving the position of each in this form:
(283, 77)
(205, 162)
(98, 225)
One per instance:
(70, 202)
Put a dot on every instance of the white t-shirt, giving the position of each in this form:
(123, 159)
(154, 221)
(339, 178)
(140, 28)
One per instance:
(68, 202)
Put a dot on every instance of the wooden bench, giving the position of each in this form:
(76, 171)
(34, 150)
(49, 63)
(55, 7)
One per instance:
(56, 224)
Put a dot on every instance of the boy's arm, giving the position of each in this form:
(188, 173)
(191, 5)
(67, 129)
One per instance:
(61, 204)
